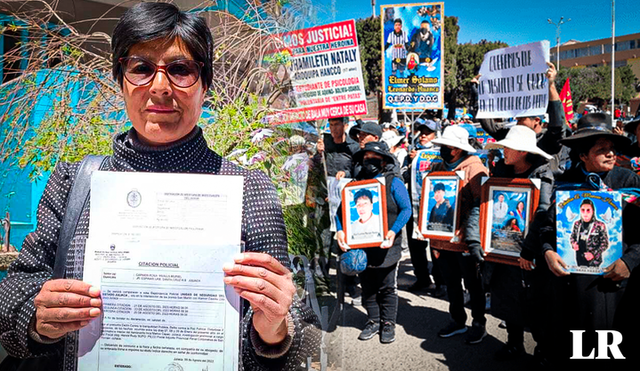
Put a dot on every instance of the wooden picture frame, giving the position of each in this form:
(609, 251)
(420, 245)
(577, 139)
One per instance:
(440, 212)
(506, 212)
(372, 231)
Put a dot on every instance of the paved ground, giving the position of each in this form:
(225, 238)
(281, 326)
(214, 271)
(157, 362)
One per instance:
(417, 346)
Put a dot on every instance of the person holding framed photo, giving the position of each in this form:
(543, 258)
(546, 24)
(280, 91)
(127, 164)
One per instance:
(379, 279)
(456, 156)
(424, 132)
(509, 299)
(593, 302)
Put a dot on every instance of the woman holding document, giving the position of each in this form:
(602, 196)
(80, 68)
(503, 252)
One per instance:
(162, 59)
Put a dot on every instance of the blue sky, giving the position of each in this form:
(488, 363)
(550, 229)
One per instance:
(516, 22)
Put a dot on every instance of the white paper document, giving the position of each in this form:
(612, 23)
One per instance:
(159, 267)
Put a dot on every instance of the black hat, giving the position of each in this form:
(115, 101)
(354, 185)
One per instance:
(438, 187)
(631, 126)
(375, 147)
(595, 125)
(355, 129)
(372, 128)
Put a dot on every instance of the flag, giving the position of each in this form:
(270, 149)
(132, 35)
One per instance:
(567, 103)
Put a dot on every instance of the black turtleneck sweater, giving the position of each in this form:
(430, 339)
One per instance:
(263, 230)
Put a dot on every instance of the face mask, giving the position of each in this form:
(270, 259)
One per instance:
(445, 153)
(372, 167)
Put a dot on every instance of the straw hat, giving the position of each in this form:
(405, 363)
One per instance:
(520, 138)
(455, 136)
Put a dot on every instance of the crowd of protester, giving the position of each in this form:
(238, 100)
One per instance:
(539, 295)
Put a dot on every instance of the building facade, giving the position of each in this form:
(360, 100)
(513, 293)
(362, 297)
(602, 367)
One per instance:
(594, 53)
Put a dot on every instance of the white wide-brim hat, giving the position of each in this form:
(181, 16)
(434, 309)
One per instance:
(520, 138)
(391, 138)
(455, 136)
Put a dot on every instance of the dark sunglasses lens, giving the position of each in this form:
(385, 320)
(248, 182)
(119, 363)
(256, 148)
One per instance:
(138, 71)
(183, 73)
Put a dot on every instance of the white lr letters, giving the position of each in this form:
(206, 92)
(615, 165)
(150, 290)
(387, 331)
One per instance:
(603, 345)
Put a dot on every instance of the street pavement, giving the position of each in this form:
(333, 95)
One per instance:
(417, 346)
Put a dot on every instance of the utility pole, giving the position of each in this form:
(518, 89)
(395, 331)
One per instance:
(560, 23)
(613, 56)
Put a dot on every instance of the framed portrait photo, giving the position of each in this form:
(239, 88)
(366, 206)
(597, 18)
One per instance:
(439, 206)
(589, 229)
(506, 211)
(364, 213)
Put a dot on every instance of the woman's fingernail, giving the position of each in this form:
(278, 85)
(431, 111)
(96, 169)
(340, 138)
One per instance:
(94, 291)
(227, 267)
(95, 302)
(84, 323)
(227, 280)
(94, 312)
(238, 258)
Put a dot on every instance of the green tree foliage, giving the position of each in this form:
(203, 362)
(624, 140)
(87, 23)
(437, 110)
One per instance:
(468, 61)
(370, 52)
(451, 29)
(594, 84)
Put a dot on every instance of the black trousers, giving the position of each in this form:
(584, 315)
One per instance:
(380, 293)
(418, 252)
(455, 267)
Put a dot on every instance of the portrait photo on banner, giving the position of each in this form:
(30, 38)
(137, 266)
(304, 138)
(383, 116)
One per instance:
(439, 205)
(412, 55)
(589, 229)
(364, 213)
(507, 207)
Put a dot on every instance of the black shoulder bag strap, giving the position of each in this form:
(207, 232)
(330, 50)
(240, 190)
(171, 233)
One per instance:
(77, 199)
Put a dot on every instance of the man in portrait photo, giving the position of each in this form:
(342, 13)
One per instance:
(399, 41)
(368, 224)
(500, 209)
(441, 216)
(422, 42)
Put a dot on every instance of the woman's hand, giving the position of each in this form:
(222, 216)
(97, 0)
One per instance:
(617, 271)
(65, 305)
(340, 174)
(388, 240)
(268, 286)
(342, 242)
(525, 264)
(556, 265)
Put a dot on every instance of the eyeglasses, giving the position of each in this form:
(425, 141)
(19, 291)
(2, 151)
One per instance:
(182, 73)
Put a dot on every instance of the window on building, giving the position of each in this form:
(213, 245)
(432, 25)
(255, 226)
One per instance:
(10, 59)
(620, 63)
(595, 50)
(607, 48)
(623, 45)
(582, 52)
(14, 58)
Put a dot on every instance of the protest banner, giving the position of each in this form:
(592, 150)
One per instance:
(412, 55)
(513, 82)
(323, 64)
